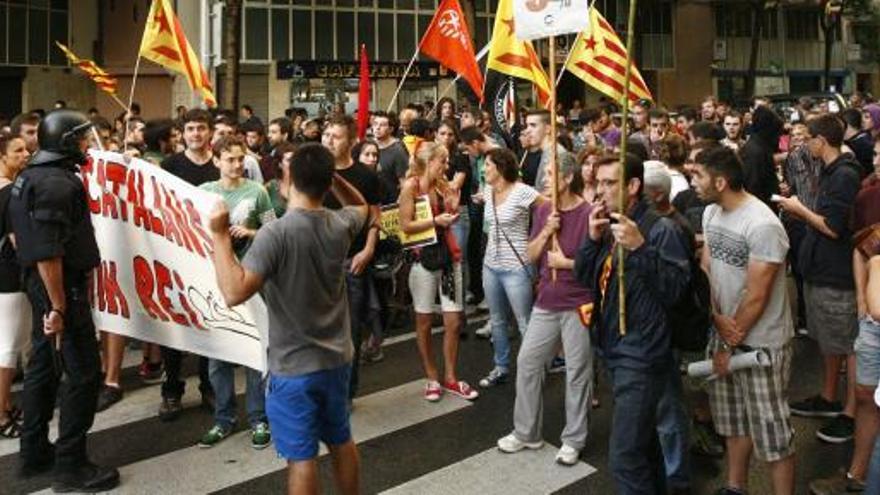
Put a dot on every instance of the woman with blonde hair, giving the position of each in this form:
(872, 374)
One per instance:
(16, 322)
(438, 266)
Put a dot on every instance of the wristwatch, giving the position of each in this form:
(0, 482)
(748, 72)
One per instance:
(725, 346)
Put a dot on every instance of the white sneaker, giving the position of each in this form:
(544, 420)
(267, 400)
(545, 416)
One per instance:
(511, 444)
(484, 332)
(567, 455)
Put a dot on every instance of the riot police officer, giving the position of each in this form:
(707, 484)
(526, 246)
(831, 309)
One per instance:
(57, 248)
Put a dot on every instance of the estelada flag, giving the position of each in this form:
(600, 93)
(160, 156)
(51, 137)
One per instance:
(165, 43)
(447, 40)
(599, 59)
(515, 57)
(104, 80)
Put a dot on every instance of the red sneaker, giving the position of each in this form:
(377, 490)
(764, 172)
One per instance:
(461, 389)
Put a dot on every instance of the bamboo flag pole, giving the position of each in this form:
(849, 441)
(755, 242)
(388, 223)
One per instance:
(553, 151)
(621, 276)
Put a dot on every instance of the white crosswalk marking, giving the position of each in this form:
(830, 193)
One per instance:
(136, 405)
(492, 472)
(195, 470)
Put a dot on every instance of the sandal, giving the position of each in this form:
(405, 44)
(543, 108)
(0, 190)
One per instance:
(15, 414)
(10, 429)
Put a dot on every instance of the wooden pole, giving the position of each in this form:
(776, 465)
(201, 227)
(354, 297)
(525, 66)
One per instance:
(621, 275)
(403, 79)
(137, 66)
(553, 151)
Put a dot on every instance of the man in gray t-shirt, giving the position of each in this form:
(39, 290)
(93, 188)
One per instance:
(744, 253)
(735, 238)
(297, 264)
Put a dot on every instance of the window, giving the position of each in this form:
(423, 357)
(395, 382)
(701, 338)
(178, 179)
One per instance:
(29, 29)
(802, 24)
(406, 36)
(324, 45)
(256, 40)
(367, 32)
(386, 37)
(335, 29)
(345, 49)
(302, 34)
(736, 22)
(280, 34)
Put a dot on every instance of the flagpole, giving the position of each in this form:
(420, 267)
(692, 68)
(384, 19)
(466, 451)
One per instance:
(482, 53)
(553, 150)
(137, 66)
(621, 276)
(405, 74)
(118, 101)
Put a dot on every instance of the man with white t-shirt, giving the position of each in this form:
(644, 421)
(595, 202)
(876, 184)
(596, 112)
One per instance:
(744, 255)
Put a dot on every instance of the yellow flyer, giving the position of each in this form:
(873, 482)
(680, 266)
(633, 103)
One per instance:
(390, 222)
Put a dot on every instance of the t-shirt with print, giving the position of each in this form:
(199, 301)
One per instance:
(300, 258)
(751, 232)
(513, 217)
(249, 207)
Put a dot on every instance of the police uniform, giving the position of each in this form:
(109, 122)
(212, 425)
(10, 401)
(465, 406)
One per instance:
(50, 219)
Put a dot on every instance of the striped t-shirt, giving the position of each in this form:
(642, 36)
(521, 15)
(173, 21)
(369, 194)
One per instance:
(513, 217)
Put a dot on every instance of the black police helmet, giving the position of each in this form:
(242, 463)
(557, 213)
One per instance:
(59, 134)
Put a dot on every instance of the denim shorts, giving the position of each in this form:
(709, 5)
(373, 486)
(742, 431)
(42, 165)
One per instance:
(307, 409)
(867, 349)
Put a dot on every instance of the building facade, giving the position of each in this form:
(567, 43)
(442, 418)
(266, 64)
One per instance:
(303, 53)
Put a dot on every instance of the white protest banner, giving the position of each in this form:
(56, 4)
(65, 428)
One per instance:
(156, 281)
(536, 19)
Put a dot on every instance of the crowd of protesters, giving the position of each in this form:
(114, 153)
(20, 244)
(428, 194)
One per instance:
(730, 202)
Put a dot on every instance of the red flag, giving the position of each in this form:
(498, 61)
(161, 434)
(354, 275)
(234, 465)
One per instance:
(448, 42)
(364, 95)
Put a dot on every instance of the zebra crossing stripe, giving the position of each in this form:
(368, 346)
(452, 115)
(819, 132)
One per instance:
(492, 472)
(195, 470)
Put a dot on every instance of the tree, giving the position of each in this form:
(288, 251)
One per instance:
(231, 55)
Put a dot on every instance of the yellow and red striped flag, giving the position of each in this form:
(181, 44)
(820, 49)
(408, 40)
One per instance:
(599, 58)
(514, 57)
(104, 80)
(165, 43)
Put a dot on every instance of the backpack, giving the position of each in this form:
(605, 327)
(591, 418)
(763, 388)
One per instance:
(691, 316)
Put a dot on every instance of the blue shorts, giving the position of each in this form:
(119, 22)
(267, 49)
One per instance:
(306, 409)
(867, 350)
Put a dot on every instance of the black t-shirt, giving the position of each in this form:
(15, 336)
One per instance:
(10, 271)
(367, 183)
(181, 166)
(530, 167)
(691, 208)
(459, 162)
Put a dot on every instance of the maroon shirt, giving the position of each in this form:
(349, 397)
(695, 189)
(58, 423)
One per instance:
(566, 293)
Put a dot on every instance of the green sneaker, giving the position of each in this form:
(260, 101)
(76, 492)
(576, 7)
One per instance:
(261, 437)
(214, 436)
